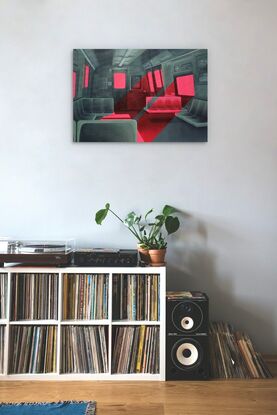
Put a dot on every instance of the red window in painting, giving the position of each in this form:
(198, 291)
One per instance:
(119, 80)
(86, 76)
(158, 78)
(74, 84)
(185, 85)
(150, 81)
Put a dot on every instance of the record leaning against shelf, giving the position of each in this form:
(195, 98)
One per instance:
(40, 252)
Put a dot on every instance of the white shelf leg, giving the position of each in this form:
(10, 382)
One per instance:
(110, 316)
(163, 322)
(60, 308)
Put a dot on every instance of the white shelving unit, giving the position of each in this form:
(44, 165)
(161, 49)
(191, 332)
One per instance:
(8, 323)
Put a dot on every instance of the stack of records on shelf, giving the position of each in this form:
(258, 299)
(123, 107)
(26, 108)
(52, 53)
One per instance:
(85, 296)
(84, 349)
(233, 355)
(33, 349)
(34, 296)
(136, 349)
(3, 287)
(2, 344)
(136, 297)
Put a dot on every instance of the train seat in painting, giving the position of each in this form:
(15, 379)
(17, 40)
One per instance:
(103, 105)
(111, 130)
(195, 113)
(163, 107)
(90, 108)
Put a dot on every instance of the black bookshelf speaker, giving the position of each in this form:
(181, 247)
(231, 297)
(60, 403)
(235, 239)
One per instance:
(187, 342)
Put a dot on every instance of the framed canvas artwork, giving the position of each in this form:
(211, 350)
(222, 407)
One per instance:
(140, 95)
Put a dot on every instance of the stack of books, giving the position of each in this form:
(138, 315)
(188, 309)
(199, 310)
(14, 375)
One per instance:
(136, 297)
(3, 288)
(85, 296)
(233, 355)
(33, 349)
(84, 349)
(34, 296)
(2, 343)
(136, 349)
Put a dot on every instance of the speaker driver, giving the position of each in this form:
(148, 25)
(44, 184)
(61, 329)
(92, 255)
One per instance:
(186, 354)
(187, 323)
(187, 316)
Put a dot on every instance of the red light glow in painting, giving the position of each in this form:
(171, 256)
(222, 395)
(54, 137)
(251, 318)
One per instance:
(119, 80)
(150, 81)
(158, 78)
(86, 76)
(185, 85)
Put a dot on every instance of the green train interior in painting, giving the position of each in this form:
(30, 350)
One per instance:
(140, 95)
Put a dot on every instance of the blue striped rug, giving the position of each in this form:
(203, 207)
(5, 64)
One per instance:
(47, 408)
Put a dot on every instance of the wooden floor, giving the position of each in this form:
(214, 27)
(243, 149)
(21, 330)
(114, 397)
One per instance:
(236, 397)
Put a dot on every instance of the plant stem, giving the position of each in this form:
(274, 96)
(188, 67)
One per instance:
(116, 215)
(131, 230)
(155, 230)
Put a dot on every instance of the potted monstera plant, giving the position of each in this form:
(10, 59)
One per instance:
(150, 233)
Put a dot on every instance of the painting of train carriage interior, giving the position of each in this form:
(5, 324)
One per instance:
(140, 95)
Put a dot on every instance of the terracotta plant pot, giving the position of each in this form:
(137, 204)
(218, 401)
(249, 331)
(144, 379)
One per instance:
(144, 254)
(157, 257)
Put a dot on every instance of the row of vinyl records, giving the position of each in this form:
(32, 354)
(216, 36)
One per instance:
(136, 349)
(34, 296)
(84, 349)
(232, 354)
(2, 348)
(136, 297)
(3, 295)
(85, 296)
(33, 349)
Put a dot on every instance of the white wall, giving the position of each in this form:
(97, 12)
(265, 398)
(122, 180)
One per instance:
(50, 187)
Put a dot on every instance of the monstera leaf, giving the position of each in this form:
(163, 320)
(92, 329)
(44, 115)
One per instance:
(101, 214)
(168, 210)
(130, 219)
(171, 224)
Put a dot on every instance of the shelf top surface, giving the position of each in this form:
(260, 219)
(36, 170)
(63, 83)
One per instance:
(82, 270)
(136, 322)
(33, 322)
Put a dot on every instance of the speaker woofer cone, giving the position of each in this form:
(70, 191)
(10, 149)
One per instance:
(186, 354)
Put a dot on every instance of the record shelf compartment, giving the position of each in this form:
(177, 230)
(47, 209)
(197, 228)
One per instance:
(32, 349)
(143, 340)
(82, 323)
(34, 296)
